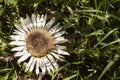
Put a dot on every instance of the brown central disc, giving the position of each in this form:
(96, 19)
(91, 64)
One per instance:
(39, 43)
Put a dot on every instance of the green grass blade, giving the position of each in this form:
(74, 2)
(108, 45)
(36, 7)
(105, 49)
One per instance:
(110, 43)
(110, 32)
(116, 57)
(69, 78)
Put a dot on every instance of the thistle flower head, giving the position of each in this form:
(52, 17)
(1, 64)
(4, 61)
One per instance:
(39, 43)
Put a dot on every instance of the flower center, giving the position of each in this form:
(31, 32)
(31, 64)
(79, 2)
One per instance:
(39, 42)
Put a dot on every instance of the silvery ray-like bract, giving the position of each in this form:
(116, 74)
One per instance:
(38, 43)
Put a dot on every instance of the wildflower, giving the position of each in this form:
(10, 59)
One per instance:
(39, 43)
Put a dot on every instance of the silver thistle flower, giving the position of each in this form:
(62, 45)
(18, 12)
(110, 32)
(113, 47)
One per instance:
(39, 42)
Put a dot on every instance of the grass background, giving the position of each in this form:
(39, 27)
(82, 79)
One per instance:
(92, 28)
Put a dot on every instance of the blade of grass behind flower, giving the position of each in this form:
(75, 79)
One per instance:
(70, 77)
(110, 43)
(110, 32)
(116, 57)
